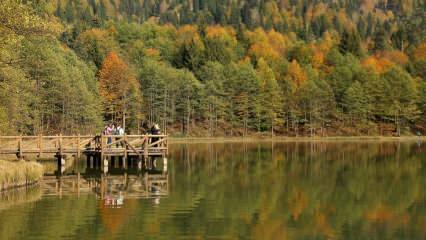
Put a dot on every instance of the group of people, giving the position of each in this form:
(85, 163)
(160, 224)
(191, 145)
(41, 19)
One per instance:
(111, 129)
(116, 129)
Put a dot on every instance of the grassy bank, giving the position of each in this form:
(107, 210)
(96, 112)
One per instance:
(19, 173)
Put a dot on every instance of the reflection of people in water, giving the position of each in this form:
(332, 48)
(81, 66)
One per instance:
(156, 200)
(111, 200)
(120, 199)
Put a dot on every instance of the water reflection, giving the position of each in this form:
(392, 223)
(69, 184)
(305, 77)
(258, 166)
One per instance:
(311, 190)
(267, 190)
(112, 187)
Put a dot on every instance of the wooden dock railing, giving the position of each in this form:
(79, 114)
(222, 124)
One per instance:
(103, 145)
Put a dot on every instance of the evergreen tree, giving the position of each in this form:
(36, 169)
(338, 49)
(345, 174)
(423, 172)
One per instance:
(270, 95)
(380, 40)
(350, 43)
(356, 101)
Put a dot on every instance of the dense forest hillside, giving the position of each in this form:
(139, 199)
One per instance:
(289, 67)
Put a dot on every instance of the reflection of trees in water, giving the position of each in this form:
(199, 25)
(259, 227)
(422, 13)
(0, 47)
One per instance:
(50, 217)
(363, 190)
(321, 188)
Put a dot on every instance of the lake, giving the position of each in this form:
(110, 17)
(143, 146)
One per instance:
(247, 190)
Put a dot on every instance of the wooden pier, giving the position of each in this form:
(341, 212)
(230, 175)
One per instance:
(100, 147)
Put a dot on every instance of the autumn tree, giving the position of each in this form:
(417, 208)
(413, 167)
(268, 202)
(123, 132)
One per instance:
(93, 45)
(220, 44)
(295, 74)
(119, 89)
(190, 53)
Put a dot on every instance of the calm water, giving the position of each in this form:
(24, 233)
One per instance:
(351, 190)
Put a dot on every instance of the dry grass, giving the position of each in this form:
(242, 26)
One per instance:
(19, 173)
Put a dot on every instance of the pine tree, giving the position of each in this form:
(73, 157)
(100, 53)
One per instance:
(270, 95)
(350, 43)
(356, 101)
(380, 40)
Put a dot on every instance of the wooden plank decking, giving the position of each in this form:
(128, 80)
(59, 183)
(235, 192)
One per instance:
(98, 146)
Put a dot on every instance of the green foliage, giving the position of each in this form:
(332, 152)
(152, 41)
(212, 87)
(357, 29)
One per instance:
(422, 98)
(270, 97)
(243, 87)
(402, 93)
(45, 87)
(93, 45)
(350, 43)
(356, 101)
(267, 67)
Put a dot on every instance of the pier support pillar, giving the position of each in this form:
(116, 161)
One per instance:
(164, 164)
(61, 163)
(140, 163)
(105, 165)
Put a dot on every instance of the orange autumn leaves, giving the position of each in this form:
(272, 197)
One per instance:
(384, 61)
(269, 45)
(296, 73)
(115, 80)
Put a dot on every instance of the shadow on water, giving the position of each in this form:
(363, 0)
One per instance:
(268, 190)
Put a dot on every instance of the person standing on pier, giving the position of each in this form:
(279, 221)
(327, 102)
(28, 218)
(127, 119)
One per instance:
(155, 130)
(120, 131)
(108, 132)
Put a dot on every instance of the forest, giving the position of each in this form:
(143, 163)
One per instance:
(214, 67)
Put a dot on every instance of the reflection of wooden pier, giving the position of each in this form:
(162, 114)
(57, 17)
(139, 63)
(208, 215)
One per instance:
(97, 147)
(143, 185)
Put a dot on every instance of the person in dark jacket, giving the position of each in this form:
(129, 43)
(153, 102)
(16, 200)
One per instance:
(155, 130)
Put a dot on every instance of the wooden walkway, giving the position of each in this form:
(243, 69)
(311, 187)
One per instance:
(139, 146)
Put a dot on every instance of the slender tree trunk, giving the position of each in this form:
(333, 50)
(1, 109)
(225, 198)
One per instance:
(189, 115)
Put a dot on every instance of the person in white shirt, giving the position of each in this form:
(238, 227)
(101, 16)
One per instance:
(120, 132)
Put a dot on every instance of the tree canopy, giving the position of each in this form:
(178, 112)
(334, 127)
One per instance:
(289, 68)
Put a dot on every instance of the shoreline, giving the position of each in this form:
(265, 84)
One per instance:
(19, 174)
(175, 140)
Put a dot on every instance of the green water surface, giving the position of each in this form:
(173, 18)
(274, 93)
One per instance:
(304, 190)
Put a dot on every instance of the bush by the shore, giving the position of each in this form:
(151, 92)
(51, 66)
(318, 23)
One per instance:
(19, 173)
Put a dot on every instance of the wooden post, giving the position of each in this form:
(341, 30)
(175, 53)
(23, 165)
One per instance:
(21, 156)
(40, 145)
(145, 148)
(78, 145)
(102, 146)
(60, 146)
(166, 144)
(125, 151)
